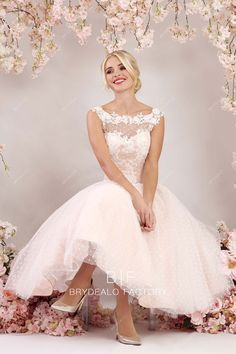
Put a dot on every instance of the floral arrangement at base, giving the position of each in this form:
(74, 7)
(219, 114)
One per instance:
(221, 318)
(162, 319)
(35, 315)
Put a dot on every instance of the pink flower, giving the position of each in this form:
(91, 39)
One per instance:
(197, 318)
(229, 263)
(232, 328)
(33, 327)
(2, 269)
(216, 308)
(10, 295)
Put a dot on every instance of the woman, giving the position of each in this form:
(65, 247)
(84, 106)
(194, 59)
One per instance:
(129, 225)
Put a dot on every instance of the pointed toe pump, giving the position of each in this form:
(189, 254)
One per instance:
(59, 305)
(136, 340)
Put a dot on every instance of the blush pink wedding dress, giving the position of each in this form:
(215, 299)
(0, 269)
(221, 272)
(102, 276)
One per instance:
(176, 267)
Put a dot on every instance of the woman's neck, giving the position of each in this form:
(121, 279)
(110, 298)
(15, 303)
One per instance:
(125, 101)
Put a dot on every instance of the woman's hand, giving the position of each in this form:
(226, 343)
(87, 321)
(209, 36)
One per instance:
(150, 220)
(145, 212)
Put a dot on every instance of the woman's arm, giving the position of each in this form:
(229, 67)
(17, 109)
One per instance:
(150, 169)
(101, 151)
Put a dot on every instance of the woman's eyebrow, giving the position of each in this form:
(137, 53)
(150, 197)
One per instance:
(109, 67)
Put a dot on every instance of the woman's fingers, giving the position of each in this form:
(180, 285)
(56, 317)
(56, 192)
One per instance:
(150, 222)
(146, 228)
(148, 218)
(142, 217)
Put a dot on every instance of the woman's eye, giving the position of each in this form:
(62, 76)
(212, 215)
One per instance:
(110, 71)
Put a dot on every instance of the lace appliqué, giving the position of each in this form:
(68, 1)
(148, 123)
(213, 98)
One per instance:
(128, 139)
(140, 118)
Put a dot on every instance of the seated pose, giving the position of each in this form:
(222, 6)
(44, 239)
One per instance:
(127, 224)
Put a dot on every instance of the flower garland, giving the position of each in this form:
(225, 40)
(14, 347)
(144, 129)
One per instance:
(121, 16)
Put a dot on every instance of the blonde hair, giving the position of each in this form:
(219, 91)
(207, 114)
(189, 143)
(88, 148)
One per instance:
(130, 63)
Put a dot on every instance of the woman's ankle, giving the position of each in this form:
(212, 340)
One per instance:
(123, 309)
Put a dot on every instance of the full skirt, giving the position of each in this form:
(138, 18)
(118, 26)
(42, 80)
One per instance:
(176, 267)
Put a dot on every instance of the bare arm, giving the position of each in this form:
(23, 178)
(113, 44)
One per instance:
(101, 151)
(150, 169)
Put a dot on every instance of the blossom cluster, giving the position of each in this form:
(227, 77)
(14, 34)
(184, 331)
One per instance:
(42, 17)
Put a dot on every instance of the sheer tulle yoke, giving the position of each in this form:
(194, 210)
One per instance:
(128, 139)
(176, 267)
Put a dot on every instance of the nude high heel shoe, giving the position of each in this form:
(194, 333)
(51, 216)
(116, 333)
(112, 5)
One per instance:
(59, 305)
(125, 339)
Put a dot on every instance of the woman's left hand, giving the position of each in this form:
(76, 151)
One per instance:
(150, 220)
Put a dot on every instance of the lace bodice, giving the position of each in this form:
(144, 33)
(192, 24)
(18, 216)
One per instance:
(128, 139)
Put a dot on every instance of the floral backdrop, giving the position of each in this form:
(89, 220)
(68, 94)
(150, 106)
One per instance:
(39, 18)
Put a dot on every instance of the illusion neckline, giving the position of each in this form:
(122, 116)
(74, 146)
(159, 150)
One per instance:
(140, 114)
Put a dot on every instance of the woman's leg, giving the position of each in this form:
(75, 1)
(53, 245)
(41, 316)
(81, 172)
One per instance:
(123, 313)
(79, 283)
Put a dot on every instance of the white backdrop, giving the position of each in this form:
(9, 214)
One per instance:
(43, 124)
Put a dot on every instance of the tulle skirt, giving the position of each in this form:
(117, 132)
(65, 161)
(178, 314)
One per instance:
(176, 267)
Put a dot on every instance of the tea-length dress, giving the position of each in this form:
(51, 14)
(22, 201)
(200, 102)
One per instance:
(176, 267)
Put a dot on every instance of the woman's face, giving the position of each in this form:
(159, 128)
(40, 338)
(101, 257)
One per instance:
(117, 77)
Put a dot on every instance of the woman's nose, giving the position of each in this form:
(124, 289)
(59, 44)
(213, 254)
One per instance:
(117, 73)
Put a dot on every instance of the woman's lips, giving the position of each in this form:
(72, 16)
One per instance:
(119, 81)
